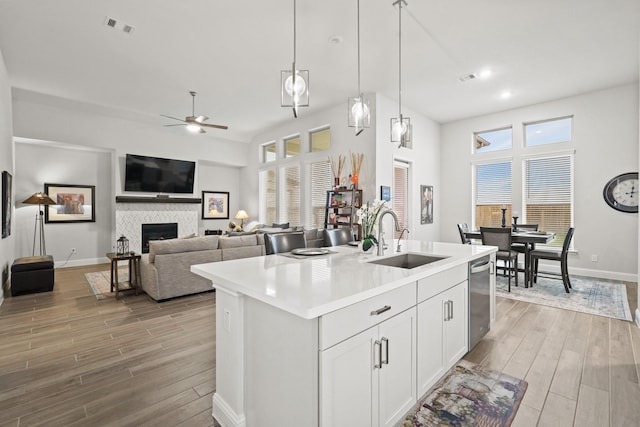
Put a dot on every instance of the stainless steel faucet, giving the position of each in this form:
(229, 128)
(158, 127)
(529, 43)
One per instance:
(381, 233)
(400, 238)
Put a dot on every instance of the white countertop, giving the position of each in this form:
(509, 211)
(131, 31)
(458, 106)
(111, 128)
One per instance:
(316, 285)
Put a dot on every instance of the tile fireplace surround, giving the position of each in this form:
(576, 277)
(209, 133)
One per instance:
(132, 212)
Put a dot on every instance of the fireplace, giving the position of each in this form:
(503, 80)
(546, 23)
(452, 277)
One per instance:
(167, 230)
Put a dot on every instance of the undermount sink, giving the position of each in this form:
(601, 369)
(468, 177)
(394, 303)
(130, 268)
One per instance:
(408, 260)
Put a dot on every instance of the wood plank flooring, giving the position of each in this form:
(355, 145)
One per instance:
(69, 359)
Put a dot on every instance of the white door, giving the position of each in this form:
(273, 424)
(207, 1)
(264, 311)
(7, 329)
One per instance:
(347, 382)
(397, 383)
(430, 329)
(455, 327)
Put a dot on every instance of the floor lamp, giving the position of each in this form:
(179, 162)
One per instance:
(40, 199)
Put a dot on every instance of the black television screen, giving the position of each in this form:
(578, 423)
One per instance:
(158, 175)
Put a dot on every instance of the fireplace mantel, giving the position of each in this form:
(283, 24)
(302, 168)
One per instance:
(142, 199)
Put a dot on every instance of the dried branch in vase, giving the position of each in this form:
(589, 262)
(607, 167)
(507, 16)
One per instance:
(356, 163)
(336, 167)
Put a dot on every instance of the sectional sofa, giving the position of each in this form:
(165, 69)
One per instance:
(166, 270)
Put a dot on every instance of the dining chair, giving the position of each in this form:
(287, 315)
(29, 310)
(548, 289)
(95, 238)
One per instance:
(521, 247)
(337, 236)
(276, 243)
(550, 255)
(501, 237)
(463, 228)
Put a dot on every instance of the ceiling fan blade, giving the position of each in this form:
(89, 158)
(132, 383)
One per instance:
(202, 131)
(214, 126)
(201, 119)
(173, 118)
(177, 124)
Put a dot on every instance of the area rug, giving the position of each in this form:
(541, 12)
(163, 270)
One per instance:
(469, 395)
(100, 282)
(601, 297)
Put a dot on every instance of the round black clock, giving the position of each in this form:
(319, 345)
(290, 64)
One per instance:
(621, 192)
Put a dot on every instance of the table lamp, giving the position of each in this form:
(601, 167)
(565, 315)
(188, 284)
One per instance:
(241, 215)
(40, 199)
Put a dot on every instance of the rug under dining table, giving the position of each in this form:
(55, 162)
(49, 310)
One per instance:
(602, 297)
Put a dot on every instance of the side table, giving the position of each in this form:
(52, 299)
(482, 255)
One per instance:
(134, 271)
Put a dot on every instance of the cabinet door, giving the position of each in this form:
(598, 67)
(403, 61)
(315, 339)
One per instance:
(397, 377)
(348, 380)
(456, 326)
(430, 331)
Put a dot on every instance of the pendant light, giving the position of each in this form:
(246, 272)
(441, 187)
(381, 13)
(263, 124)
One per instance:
(400, 126)
(294, 83)
(358, 106)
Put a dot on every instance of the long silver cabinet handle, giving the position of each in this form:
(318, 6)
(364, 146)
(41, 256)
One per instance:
(378, 353)
(493, 268)
(451, 305)
(381, 310)
(385, 341)
(446, 311)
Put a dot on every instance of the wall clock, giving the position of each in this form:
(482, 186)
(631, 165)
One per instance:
(621, 192)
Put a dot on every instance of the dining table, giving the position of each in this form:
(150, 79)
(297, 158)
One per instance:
(528, 238)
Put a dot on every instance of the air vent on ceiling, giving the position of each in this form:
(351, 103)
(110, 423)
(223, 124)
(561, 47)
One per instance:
(468, 77)
(113, 23)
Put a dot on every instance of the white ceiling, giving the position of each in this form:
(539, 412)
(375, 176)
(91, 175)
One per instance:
(231, 53)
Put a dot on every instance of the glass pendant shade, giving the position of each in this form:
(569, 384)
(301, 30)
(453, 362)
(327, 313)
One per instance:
(401, 131)
(359, 113)
(294, 88)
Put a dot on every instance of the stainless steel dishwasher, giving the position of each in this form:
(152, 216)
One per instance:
(479, 299)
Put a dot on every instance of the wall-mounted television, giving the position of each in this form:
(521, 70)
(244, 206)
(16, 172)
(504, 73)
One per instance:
(157, 175)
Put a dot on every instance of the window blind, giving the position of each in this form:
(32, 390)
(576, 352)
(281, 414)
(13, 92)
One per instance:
(290, 200)
(400, 195)
(321, 181)
(493, 190)
(268, 199)
(548, 194)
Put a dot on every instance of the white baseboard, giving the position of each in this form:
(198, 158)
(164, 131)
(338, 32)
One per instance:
(223, 413)
(81, 262)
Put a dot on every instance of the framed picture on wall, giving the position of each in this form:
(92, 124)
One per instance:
(7, 197)
(426, 198)
(215, 205)
(74, 203)
(385, 193)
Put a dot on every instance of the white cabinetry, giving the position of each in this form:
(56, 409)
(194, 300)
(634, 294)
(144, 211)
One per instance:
(442, 325)
(370, 379)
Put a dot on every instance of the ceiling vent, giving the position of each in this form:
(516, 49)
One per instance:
(468, 77)
(113, 23)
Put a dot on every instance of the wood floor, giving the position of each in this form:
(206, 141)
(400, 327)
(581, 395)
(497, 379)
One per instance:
(69, 359)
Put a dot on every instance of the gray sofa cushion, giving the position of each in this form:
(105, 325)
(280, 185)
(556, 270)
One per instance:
(237, 241)
(174, 246)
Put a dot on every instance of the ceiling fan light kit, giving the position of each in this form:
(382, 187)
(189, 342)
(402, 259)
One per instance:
(294, 83)
(401, 132)
(359, 114)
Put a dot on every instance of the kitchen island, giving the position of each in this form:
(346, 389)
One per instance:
(335, 339)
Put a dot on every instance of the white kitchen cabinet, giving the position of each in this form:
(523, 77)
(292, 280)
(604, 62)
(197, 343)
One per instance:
(370, 379)
(442, 336)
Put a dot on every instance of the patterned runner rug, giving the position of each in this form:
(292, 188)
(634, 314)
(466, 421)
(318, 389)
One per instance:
(469, 395)
(601, 297)
(100, 282)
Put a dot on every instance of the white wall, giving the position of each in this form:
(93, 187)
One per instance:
(605, 139)
(37, 164)
(424, 158)
(7, 250)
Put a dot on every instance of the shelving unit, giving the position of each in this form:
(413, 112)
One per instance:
(340, 209)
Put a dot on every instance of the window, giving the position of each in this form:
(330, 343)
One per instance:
(268, 196)
(290, 195)
(548, 132)
(400, 195)
(292, 147)
(492, 193)
(548, 194)
(320, 140)
(321, 181)
(493, 140)
(269, 152)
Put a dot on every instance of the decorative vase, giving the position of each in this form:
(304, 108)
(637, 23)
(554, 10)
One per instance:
(368, 243)
(336, 182)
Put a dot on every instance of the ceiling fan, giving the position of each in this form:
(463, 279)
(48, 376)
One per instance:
(193, 123)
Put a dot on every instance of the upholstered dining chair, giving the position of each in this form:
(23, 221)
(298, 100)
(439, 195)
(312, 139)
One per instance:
(463, 228)
(501, 237)
(337, 236)
(549, 255)
(276, 243)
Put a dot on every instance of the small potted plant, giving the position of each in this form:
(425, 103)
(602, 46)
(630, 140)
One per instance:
(368, 219)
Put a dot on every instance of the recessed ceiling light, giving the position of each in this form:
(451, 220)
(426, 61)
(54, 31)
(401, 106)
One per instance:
(485, 73)
(506, 94)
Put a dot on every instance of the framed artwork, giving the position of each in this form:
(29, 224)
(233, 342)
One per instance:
(215, 205)
(7, 197)
(426, 198)
(385, 193)
(74, 203)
